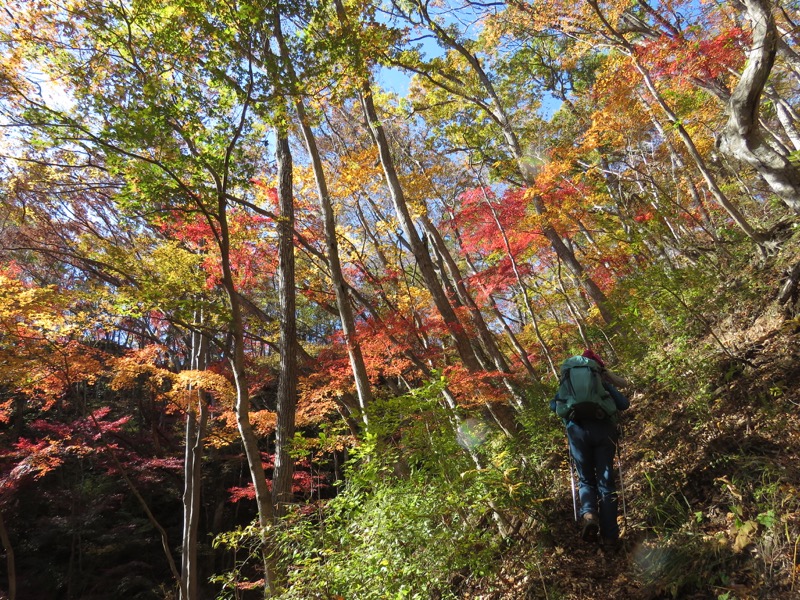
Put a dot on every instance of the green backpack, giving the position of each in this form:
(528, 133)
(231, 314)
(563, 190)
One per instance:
(581, 394)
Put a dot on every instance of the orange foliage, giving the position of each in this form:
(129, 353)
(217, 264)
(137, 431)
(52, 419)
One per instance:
(620, 117)
(475, 389)
(225, 431)
(314, 406)
(39, 343)
(187, 383)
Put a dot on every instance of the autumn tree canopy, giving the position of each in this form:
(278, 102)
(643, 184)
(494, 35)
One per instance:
(232, 259)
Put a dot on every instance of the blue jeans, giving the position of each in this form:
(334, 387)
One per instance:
(593, 444)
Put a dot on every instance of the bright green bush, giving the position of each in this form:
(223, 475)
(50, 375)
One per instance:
(416, 513)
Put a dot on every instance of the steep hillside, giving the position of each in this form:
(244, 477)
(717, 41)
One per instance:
(711, 480)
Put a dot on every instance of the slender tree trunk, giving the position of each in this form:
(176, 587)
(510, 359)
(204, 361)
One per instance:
(363, 386)
(236, 358)
(165, 545)
(488, 348)
(489, 343)
(376, 247)
(568, 257)
(235, 353)
(196, 421)
(423, 259)
(522, 354)
(192, 565)
(357, 364)
(742, 137)
(10, 560)
(573, 310)
(785, 117)
(678, 171)
(522, 287)
(287, 384)
(444, 273)
(494, 108)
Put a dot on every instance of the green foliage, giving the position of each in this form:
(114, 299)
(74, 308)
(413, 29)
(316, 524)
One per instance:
(399, 539)
(403, 539)
(245, 545)
(675, 568)
(663, 507)
(407, 536)
(673, 318)
(170, 105)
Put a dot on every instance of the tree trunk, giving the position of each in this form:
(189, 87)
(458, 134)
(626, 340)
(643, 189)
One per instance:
(496, 111)
(489, 343)
(287, 383)
(678, 166)
(424, 263)
(236, 358)
(196, 421)
(10, 561)
(362, 383)
(423, 259)
(522, 287)
(522, 354)
(676, 124)
(573, 310)
(786, 116)
(742, 137)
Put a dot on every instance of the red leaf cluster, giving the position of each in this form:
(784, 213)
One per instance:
(475, 389)
(686, 59)
(252, 245)
(489, 224)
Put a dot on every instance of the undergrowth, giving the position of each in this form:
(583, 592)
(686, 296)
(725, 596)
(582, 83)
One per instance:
(428, 499)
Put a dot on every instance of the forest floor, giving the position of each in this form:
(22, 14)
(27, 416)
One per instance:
(712, 508)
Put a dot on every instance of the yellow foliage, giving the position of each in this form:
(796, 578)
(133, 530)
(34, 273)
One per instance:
(186, 385)
(357, 174)
(37, 349)
(227, 431)
(616, 119)
(263, 422)
(31, 305)
(415, 298)
(137, 368)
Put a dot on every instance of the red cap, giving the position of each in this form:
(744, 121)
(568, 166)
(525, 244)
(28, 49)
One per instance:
(589, 354)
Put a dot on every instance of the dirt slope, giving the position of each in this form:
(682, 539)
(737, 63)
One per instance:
(711, 492)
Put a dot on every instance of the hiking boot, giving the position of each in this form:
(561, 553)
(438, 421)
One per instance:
(591, 528)
(611, 545)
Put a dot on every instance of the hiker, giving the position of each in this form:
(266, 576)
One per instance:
(588, 402)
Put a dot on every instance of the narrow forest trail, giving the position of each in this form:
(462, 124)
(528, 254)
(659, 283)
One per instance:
(583, 570)
(711, 489)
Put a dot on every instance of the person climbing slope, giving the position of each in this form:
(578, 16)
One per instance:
(589, 403)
